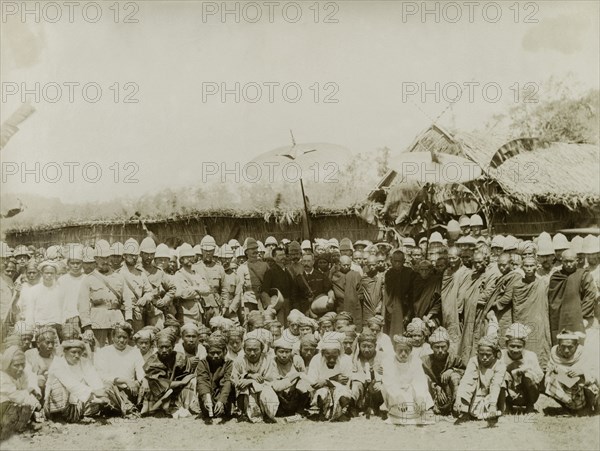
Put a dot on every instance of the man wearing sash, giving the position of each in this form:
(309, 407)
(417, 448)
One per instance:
(191, 286)
(163, 288)
(137, 289)
(251, 275)
(101, 303)
(214, 274)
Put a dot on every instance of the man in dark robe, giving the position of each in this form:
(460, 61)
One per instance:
(474, 295)
(346, 283)
(500, 300)
(427, 303)
(370, 291)
(213, 379)
(397, 294)
(453, 279)
(530, 307)
(571, 297)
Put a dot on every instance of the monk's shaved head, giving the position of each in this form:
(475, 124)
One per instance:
(345, 260)
(504, 258)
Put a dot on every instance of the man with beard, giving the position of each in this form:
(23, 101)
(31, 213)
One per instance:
(291, 384)
(253, 372)
(137, 288)
(366, 376)
(545, 258)
(214, 274)
(278, 277)
(101, 303)
(191, 286)
(475, 293)
(370, 292)
(571, 297)
(330, 373)
(213, 379)
(346, 284)
(444, 370)
(311, 283)
(293, 259)
(500, 300)
(427, 303)
(398, 294)
(163, 288)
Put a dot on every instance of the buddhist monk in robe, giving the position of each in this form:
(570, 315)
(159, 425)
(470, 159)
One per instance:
(453, 279)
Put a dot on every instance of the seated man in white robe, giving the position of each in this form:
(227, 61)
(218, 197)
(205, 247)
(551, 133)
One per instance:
(330, 372)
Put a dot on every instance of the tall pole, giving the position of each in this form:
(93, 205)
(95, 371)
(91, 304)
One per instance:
(303, 195)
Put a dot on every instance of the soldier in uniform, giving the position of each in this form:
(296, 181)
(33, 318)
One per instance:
(101, 303)
(163, 288)
(191, 286)
(214, 274)
(116, 256)
(137, 288)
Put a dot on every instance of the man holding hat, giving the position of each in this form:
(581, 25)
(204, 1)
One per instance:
(278, 277)
(101, 303)
(137, 289)
(163, 287)
(251, 275)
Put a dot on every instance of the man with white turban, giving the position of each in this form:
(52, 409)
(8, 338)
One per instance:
(329, 372)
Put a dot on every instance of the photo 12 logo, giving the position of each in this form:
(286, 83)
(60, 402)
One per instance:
(269, 171)
(70, 92)
(470, 91)
(70, 12)
(469, 12)
(269, 92)
(270, 12)
(69, 172)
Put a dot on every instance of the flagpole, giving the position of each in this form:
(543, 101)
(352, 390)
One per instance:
(303, 195)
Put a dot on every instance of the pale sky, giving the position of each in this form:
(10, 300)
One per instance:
(367, 56)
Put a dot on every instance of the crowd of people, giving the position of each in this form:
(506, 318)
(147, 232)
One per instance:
(457, 324)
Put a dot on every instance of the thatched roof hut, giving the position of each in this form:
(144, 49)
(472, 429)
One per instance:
(224, 210)
(529, 186)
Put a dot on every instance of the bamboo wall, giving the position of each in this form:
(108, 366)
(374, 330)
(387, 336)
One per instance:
(192, 230)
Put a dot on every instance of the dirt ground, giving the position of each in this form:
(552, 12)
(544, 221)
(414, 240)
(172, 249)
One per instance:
(534, 431)
(528, 432)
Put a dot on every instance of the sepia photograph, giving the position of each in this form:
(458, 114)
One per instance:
(300, 225)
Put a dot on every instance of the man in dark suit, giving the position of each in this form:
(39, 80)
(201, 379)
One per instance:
(279, 277)
(311, 284)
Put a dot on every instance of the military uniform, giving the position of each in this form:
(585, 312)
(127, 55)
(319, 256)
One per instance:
(137, 291)
(215, 276)
(99, 307)
(190, 286)
(164, 291)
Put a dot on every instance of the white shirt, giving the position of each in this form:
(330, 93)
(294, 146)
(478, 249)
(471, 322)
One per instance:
(70, 286)
(112, 363)
(44, 305)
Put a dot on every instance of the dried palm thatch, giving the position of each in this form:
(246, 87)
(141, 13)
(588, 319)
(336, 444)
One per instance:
(279, 202)
(558, 173)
